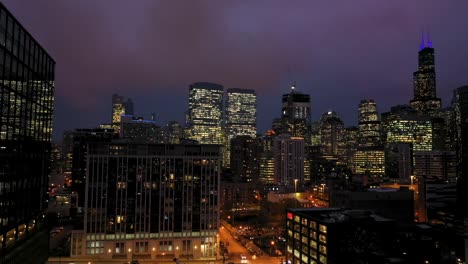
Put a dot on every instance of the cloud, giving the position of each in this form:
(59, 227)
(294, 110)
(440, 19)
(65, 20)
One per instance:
(151, 49)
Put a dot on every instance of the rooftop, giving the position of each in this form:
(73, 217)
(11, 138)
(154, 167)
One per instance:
(338, 215)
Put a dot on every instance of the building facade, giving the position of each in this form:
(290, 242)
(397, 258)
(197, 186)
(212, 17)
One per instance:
(436, 164)
(241, 116)
(173, 132)
(245, 156)
(460, 105)
(241, 113)
(149, 201)
(331, 135)
(27, 83)
(79, 153)
(417, 131)
(398, 161)
(289, 159)
(369, 124)
(369, 161)
(330, 235)
(118, 110)
(205, 113)
(141, 130)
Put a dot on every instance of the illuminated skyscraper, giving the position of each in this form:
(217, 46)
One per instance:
(205, 113)
(241, 113)
(425, 100)
(351, 137)
(27, 80)
(295, 114)
(369, 124)
(369, 158)
(267, 161)
(118, 110)
(414, 131)
(241, 116)
(332, 135)
(369, 161)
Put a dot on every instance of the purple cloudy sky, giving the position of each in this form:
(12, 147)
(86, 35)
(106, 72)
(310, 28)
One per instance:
(339, 52)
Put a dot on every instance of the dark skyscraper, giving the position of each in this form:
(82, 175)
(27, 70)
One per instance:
(295, 114)
(80, 140)
(331, 135)
(461, 120)
(26, 107)
(129, 107)
(425, 100)
(244, 159)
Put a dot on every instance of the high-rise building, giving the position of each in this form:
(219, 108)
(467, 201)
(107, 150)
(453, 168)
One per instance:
(205, 113)
(331, 135)
(369, 124)
(80, 140)
(267, 161)
(395, 113)
(141, 130)
(351, 138)
(296, 114)
(245, 155)
(436, 164)
(241, 116)
(173, 132)
(369, 158)
(129, 107)
(289, 159)
(330, 235)
(398, 161)
(241, 113)
(425, 100)
(460, 105)
(118, 110)
(27, 83)
(417, 132)
(369, 161)
(150, 201)
(402, 125)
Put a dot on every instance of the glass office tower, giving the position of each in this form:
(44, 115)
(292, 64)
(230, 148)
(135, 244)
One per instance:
(205, 114)
(241, 117)
(425, 100)
(26, 107)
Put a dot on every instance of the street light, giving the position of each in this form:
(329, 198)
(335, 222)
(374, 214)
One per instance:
(295, 185)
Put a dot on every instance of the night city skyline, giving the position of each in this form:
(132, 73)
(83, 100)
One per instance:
(339, 54)
(233, 132)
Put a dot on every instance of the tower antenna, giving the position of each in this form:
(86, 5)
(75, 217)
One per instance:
(429, 41)
(291, 79)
